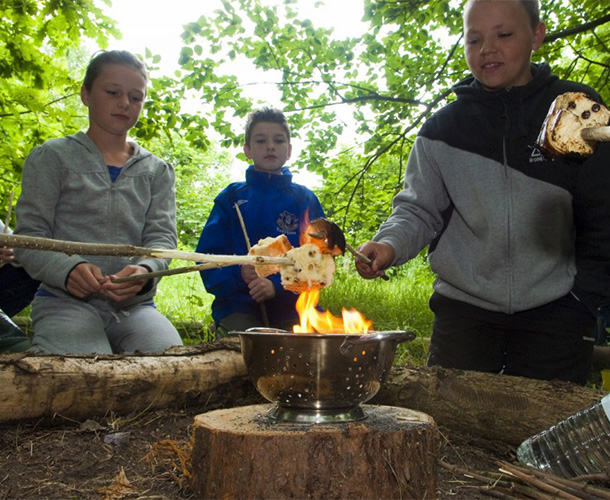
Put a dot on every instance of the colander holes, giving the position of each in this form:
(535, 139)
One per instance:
(284, 369)
(300, 355)
(349, 387)
(355, 360)
(272, 351)
(363, 353)
(291, 349)
(281, 348)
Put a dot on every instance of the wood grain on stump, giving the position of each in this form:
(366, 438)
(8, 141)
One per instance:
(239, 453)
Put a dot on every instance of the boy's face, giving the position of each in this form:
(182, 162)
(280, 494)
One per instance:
(269, 148)
(499, 41)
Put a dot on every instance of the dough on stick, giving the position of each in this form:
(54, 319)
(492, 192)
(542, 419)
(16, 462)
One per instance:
(312, 269)
(270, 247)
(570, 113)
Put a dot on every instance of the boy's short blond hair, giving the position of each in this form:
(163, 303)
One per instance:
(532, 7)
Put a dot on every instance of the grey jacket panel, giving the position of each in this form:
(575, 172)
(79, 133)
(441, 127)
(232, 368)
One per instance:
(508, 245)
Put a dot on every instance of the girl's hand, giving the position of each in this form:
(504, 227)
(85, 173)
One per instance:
(123, 291)
(84, 280)
(6, 255)
(382, 255)
(261, 289)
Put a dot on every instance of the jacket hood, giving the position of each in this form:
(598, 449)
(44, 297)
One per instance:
(470, 88)
(83, 139)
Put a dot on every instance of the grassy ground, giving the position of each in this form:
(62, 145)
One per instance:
(401, 303)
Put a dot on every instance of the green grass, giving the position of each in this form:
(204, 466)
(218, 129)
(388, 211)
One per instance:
(185, 302)
(401, 303)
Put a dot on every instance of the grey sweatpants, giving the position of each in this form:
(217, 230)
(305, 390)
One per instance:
(66, 325)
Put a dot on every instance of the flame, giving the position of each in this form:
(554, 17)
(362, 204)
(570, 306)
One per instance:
(312, 320)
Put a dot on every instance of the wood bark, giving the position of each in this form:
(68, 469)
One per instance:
(240, 453)
(80, 387)
(491, 406)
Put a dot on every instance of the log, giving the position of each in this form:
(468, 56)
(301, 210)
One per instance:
(80, 387)
(491, 406)
(239, 453)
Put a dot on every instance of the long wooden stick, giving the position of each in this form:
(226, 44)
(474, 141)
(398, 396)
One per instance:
(167, 272)
(247, 238)
(79, 248)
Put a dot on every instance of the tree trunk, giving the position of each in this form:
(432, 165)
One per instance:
(79, 387)
(494, 407)
(240, 453)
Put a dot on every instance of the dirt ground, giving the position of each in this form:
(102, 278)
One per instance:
(146, 456)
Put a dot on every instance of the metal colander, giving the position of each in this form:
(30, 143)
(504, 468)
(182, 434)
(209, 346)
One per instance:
(318, 377)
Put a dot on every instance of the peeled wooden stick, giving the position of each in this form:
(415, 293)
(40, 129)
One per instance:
(79, 248)
(167, 272)
(596, 134)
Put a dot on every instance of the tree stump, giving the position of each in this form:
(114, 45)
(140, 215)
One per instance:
(240, 453)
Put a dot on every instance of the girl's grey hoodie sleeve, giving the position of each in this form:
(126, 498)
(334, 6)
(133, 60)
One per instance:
(41, 188)
(416, 210)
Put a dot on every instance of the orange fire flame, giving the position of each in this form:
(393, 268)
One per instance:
(312, 320)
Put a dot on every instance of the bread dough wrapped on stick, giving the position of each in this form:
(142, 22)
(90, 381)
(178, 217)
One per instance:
(573, 126)
(314, 263)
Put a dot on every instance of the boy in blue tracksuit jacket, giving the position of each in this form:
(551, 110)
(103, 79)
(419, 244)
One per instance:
(271, 205)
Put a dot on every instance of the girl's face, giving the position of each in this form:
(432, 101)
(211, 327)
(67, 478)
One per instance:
(499, 41)
(269, 148)
(115, 99)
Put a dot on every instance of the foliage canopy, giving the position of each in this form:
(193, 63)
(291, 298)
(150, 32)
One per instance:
(381, 85)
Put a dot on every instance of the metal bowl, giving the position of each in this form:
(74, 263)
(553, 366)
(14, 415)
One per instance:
(318, 377)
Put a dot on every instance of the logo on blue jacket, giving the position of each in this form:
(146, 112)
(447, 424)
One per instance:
(287, 222)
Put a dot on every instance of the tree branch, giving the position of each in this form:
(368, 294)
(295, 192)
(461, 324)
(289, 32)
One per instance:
(581, 28)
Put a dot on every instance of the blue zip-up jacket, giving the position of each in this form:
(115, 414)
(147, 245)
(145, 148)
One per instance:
(270, 205)
(497, 214)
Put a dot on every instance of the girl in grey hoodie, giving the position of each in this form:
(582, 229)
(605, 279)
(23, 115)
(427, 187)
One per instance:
(99, 187)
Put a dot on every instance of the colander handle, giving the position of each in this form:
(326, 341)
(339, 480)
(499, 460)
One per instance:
(397, 336)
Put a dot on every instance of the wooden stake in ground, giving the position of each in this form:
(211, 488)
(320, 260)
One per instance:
(248, 246)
